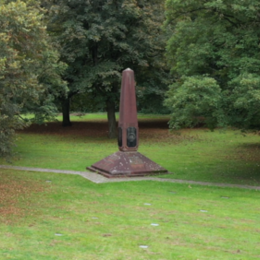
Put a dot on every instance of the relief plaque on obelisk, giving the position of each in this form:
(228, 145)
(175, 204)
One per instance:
(127, 162)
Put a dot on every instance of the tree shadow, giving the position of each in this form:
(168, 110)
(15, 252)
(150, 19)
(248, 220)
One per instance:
(90, 128)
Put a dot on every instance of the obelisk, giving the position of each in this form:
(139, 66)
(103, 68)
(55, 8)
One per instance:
(128, 123)
(127, 162)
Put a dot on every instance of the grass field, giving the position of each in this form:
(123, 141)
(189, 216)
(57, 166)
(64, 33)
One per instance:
(190, 154)
(54, 217)
(47, 216)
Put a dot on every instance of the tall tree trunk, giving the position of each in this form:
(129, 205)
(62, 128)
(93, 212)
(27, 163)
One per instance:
(65, 102)
(111, 116)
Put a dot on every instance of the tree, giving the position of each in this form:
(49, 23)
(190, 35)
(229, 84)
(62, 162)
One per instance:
(99, 39)
(215, 58)
(29, 72)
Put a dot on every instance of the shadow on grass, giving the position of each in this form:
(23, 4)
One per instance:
(150, 130)
(248, 152)
(235, 172)
(239, 172)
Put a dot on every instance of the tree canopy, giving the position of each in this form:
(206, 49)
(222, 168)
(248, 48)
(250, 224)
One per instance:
(29, 69)
(214, 57)
(99, 39)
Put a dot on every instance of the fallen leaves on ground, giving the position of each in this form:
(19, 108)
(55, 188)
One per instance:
(15, 195)
(155, 130)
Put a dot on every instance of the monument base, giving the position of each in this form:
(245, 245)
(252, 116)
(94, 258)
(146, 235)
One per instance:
(126, 164)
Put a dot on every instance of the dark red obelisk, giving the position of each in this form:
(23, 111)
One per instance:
(128, 123)
(127, 162)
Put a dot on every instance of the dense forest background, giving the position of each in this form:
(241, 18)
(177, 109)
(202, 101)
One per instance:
(196, 60)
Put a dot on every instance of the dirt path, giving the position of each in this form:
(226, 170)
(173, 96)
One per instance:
(97, 178)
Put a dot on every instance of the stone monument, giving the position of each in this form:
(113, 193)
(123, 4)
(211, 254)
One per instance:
(127, 162)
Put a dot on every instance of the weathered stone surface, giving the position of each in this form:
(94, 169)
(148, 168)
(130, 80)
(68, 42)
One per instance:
(128, 164)
(128, 123)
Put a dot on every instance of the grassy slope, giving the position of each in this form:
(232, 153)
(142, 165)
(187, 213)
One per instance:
(220, 156)
(110, 221)
(52, 216)
(198, 154)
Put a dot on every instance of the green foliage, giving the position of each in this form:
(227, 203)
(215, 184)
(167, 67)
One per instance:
(85, 102)
(151, 87)
(218, 40)
(191, 97)
(28, 68)
(246, 100)
(98, 39)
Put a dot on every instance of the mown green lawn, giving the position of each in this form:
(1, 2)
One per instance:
(191, 154)
(63, 217)
(54, 216)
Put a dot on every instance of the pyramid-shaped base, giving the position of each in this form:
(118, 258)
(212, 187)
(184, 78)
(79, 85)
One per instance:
(126, 164)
